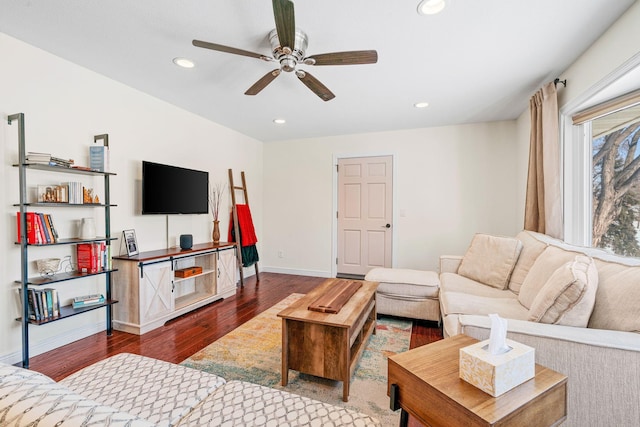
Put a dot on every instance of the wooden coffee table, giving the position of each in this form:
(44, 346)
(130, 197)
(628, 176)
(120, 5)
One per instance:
(425, 383)
(324, 344)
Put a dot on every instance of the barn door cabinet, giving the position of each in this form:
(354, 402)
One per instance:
(157, 286)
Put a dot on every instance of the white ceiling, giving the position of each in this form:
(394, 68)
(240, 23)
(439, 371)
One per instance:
(478, 60)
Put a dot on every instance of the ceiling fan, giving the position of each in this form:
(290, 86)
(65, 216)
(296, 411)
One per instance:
(288, 45)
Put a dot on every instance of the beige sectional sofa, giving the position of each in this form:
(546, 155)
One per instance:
(578, 307)
(132, 390)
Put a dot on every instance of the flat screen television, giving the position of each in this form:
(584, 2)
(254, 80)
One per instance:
(174, 190)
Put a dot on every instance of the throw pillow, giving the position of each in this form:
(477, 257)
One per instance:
(490, 259)
(531, 250)
(617, 298)
(544, 266)
(567, 298)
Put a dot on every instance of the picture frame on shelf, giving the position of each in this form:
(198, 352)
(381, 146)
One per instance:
(130, 242)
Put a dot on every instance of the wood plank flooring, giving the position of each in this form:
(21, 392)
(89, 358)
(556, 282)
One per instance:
(180, 338)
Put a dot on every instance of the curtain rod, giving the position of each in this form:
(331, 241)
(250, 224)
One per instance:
(557, 80)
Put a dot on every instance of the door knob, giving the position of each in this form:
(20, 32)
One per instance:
(386, 226)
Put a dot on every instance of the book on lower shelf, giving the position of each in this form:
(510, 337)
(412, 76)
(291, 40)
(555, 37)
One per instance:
(44, 304)
(87, 300)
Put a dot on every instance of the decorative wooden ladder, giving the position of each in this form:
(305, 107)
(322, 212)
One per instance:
(236, 225)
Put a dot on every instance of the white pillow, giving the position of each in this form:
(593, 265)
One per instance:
(490, 259)
(545, 265)
(569, 295)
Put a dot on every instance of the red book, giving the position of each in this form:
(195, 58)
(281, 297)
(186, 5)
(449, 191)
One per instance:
(31, 231)
(40, 236)
(87, 258)
(44, 232)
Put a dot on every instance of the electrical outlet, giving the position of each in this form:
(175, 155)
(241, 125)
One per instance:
(280, 254)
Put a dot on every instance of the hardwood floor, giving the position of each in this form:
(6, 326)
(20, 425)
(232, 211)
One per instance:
(181, 337)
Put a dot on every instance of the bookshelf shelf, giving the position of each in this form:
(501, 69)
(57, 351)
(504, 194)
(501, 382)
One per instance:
(62, 169)
(72, 241)
(68, 311)
(26, 207)
(66, 205)
(62, 277)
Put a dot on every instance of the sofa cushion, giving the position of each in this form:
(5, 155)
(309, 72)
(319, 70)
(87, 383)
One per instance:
(27, 399)
(403, 275)
(463, 303)
(568, 296)
(452, 282)
(158, 391)
(490, 259)
(239, 403)
(616, 305)
(531, 250)
(408, 291)
(544, 266)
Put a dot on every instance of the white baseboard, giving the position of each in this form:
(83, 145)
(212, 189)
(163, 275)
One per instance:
(52, 343)
(292, 271)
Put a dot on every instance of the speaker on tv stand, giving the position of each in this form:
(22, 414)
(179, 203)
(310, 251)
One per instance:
(186, 241)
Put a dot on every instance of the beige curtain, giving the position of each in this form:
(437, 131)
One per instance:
(543, 208)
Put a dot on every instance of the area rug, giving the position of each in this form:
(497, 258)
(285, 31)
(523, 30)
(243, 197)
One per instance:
(253, 352)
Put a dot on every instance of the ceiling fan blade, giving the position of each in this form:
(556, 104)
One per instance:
(263, 82)
(345, 58)
(227, 49)
(316, 87)
(285, 22)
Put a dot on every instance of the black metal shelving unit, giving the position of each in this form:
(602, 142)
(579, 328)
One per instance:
(25, 205)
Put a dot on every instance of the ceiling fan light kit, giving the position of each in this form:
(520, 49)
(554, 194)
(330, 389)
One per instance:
(289, 45)
(431, 7)
(184, 62)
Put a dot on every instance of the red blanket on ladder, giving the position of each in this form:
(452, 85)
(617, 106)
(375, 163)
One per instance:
(247, 232)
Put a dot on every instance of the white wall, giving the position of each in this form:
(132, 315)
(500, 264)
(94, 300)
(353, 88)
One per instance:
(617, 45)
(64, 106)
(450, 183)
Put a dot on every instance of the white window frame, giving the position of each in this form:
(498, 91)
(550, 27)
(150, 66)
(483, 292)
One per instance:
(576, 148)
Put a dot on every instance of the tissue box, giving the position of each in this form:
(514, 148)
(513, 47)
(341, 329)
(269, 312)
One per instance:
(497, 374)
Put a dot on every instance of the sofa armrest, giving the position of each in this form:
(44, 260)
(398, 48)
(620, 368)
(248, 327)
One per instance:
(450, 263)
(601, 366)
(593, 337)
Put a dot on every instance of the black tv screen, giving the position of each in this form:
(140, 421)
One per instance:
(174, 190)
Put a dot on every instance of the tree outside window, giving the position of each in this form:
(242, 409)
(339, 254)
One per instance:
(616, 182)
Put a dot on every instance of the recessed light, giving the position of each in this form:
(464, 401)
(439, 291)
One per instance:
(421, 104)
(279, 121)
(184, 62)
(430, 7)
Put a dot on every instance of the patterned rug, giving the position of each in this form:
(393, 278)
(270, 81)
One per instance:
(253, 352)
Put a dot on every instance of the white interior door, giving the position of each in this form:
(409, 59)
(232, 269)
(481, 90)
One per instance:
(365, 206)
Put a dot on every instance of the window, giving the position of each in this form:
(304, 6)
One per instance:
(615, 216)
(602, 174)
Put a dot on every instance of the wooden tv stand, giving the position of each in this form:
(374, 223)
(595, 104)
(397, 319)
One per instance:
(151, 293)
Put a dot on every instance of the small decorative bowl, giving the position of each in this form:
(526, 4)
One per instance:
(48, 266)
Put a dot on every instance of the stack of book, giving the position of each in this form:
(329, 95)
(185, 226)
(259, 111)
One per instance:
(40, 228)
(93, 257)
(44, 304)
(87, 300)
(33, 158)
(75, 192)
